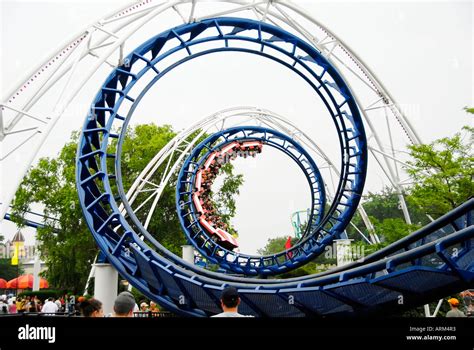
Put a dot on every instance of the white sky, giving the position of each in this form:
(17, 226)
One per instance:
(421, 51)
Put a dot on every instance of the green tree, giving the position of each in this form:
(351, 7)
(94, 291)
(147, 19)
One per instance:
(384, 211)
(273, 246)
(392, 229)
(469, 110)
(66, 245)
(141, 144)
(386, 204)
(443, 173)
(319, 264)
(9, 271)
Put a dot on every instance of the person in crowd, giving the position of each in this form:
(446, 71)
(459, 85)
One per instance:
(62, 304)
(124, 305)
(3, 306)
(31, 306)
(230, 301)
(38, 304)
(58, 304)
(49, 307)
(12, 305)
(20, 305)
(71, 304)
(454, 312)
(26, 304)
(66, 302)
(144, 307)
(91, 308)
(468, 298)
(154, 307)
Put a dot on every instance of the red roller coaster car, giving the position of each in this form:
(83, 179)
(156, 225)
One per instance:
(224, 238)
(202, 185)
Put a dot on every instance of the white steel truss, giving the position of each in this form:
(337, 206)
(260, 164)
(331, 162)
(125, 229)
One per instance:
(181, 145)
(67, 70)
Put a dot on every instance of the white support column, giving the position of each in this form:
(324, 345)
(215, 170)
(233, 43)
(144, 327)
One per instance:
(91, 274)
(36, 271)
(427, 310)
(438, 306)
(188, 253)
(105, 286)
(343, 251)
(435, 312)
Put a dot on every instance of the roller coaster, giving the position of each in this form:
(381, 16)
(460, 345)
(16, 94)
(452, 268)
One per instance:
(428, 264)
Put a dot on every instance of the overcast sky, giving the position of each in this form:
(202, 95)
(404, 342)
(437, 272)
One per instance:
(421, 51)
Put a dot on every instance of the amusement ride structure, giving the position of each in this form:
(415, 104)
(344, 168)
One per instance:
(428, 264)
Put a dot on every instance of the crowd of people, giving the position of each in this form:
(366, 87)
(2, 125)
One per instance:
(28, 304)
(72, 306)
(126, 306)
(11, 304)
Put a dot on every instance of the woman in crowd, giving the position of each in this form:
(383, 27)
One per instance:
(91, 308)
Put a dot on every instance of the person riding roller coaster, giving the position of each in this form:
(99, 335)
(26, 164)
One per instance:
(205, 176)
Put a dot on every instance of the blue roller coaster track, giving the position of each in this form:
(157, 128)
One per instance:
(428, 264)
(189, 218)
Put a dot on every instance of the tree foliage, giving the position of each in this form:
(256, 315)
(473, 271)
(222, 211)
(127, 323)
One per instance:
(391, 230)
(319, 264)
(273, 246)
(443, 173)
(469, 110)
(66, 245)
(9, 271)
(385, 213)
